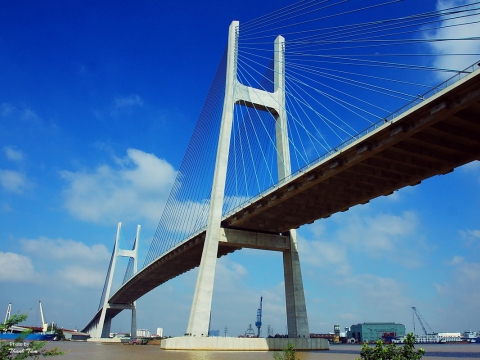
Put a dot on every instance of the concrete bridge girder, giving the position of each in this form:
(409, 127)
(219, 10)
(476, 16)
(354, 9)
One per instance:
(254, 240)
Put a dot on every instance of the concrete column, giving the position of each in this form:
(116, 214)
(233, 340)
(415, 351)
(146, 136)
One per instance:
(105, 329)
(297, 320)
(103, 320)
(202, 299)
(281, 128)
(133, 328)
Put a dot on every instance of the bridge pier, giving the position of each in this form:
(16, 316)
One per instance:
(297, 321)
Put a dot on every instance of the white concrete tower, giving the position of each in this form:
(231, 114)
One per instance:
(237, 93)
(105, 321)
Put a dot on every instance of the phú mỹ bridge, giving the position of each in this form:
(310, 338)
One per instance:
(272, 163)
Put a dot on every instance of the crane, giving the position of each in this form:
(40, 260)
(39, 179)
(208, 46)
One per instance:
(421, 323)
(9, 309)
(44, 324)
(258, 323)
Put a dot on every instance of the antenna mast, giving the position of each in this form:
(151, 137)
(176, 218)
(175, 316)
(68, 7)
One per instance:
(258, 323)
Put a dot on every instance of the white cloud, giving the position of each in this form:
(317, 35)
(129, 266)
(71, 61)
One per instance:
(82, 276)
(136, 190)
(231, 292)
(379, 293)
(16, 268)
(376, 234)
(128, 101)
(455, 32)
(458, 293)
(6, 207)
(324, 254)
(6, 109)
(455, 261)
(23, 114)
(74, 262)
(30, 116)
(465, 272)
(472, 237)
(471, 166)
(13, 181)
(12, 154)
(60, 249)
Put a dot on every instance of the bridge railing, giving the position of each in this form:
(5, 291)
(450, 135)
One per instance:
(450, 81)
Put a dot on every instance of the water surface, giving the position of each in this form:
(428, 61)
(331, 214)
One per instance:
(99, 351)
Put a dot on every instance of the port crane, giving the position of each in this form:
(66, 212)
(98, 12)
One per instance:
(44, 324)
(415, 312)
(258, 323)
(7, 315)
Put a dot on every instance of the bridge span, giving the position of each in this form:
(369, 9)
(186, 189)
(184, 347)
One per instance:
(432, 138)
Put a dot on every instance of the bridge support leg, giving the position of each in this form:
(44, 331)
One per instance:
(133, 330)
(199, 320)
(105, 329)
(297, 321)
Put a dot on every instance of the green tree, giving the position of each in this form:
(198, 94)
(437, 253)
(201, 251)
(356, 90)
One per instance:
(18, 348)
(288, 353)
(392, 352)
(58, 332)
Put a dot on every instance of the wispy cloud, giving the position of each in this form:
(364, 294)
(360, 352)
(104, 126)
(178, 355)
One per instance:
(458, 292)
(361, 232)
(82, 276)
(64, 249)
(23, 114)
(17, 268)
(13, 181)
(128, 101)
(325, 254)
(472, 237)
(451, 29)
(73, 263)
(136, 189)
(12, 153)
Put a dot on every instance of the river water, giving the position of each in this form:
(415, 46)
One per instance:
(115, 351)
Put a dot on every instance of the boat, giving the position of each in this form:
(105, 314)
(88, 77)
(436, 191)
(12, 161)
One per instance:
(11, 336)
(471, 336)
(14, 332)
(422, 339)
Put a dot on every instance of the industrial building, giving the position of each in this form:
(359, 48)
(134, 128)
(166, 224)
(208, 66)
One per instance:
(372, 331)
(143, 333)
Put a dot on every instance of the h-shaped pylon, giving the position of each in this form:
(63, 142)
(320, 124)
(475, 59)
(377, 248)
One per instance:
(103, 326)
(237, 93)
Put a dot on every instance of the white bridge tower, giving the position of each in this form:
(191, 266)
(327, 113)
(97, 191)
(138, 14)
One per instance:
(101, 329)
(274, 103)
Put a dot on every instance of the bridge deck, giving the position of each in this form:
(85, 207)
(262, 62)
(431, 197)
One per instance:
(432, 138)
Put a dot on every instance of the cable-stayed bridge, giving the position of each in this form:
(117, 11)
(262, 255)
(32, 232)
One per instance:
(307, 130)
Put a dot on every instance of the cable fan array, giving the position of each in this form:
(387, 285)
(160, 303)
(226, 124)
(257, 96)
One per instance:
(349, 65)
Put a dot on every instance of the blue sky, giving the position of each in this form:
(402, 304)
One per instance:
(97, 104)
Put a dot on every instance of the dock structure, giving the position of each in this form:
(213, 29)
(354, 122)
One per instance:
(242, 344)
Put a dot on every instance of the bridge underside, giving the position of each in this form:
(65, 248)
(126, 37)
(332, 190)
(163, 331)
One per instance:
(432, 139)
(183, 258)
(187, 256)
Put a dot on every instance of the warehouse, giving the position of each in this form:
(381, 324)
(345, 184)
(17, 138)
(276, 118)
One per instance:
(372, 331)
